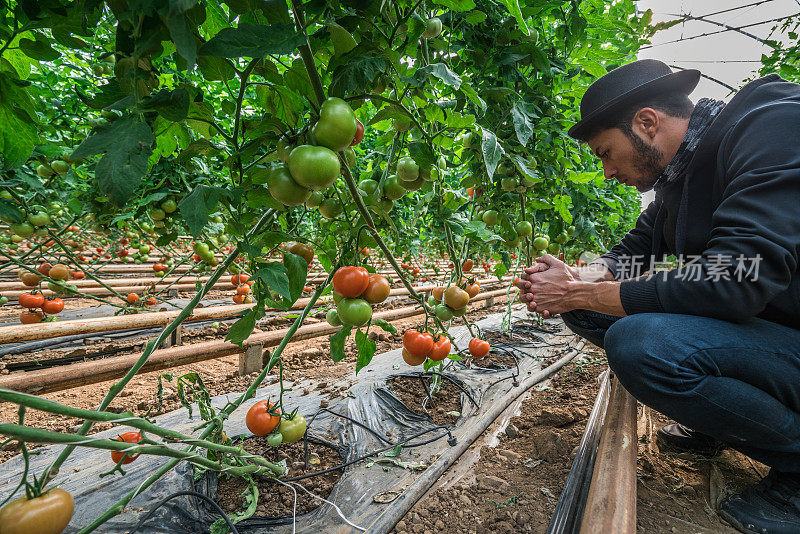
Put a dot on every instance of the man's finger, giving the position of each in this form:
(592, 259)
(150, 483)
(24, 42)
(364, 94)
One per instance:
(548, 260)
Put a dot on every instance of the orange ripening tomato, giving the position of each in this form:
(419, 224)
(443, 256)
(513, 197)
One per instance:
(410, 359)
(473, 289)
(441, 348)
(78, 275)
(468, 264)
(350, 281)
(262, 418)
(132, 298)
(418, 343)
(127, 437)
(47, 514)
(151, 301)
(30, 317)
(31, 300)
(238, 299)
(52, 307)
(478, 348)
(377, 290)
(243, 289)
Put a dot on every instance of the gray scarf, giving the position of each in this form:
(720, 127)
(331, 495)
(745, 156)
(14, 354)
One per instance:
(705, 111)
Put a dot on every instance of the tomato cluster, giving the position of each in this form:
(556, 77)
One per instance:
(452, 301)
(243, 284)
(420, 346)
(354, 292)
(265, 419)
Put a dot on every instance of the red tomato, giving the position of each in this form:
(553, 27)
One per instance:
(30, 317)
(132, 298)
(243, 289)
(127, 437)
(262, 418)
(78, 275)
(359, 133)
(478, 348)
(410, 359)
(467, 267)
(238, 299)
(377, 290)
(44, 268)
(350, 281)
(151, 301)
(440, 350)
(52, 307)
(418, 343)
(31, 300)
(159, 267)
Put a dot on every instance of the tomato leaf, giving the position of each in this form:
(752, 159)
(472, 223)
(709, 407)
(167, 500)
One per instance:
(253, 40)
(385, 325)
(274, 274)
(243, 327)
(196, 206)
(522, 114)
(172, 105)
(500, 270)
(126, 145)
(10, 212)
(491, 150)
(422, 153)
(18, 121)
(366, 350)
(337, 343)
(297, 269)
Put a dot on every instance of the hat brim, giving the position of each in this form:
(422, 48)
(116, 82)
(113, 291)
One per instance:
(684, 81)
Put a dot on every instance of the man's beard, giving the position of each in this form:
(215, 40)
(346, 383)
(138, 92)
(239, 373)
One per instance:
(647, 161)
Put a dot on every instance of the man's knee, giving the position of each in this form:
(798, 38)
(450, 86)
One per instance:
(633, 345)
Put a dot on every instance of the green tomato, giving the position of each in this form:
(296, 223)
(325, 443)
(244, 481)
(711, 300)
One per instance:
(433, 28)
(416, 184)
(39, 218)
(524, 229)
(330, 208)
(44, 171)
(201, 249)
(336, 126)
(350, 156)
(459, 312)
(144, 249)
(508, 184)
(333, 318)
(384, 206)
(392, 189)
(444, 313)
(342, 40)
(293, 429)
(284, 149)
(315, 199)
(554, 248)
(59, 166)
(407, 169)
(368, 188)
(274, 439)
(314, 167)
(284, 188)
(157, 214)
(491, 217)
(541, 243)
(571, 231)
(15, 238)
(169, 206)
(561, 238)
(3, 300)
(432, 302)
(354, 312)
(23, 229)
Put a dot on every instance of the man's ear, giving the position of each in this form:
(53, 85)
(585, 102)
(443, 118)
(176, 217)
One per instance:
(647, 121)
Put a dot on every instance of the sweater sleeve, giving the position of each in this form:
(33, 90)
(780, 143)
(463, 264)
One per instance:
(636, 244)
(753, 247)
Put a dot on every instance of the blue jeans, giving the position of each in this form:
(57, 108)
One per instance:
(737, 382)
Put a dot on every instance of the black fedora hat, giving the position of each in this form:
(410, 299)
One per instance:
(627, 84)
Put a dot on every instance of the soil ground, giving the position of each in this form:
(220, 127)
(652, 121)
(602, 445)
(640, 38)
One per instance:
(514, 484)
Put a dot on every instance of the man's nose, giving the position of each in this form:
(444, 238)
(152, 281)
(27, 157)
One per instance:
(609, 172)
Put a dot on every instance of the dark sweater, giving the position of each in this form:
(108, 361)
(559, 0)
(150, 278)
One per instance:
(739, 197)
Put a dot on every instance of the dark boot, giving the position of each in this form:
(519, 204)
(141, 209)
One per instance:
(770, 507)
(680, 438)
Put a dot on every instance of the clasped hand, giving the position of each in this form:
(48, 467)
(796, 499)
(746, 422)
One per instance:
(545, 286)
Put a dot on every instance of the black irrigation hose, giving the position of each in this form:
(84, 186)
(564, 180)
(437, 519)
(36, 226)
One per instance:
(452, 381)
(205, 498)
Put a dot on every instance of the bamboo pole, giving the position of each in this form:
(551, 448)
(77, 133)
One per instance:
(91, 372)
(611, 504)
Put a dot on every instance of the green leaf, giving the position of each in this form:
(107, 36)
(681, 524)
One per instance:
(366, 350)
(592, 67)
(9, 211)
(562, 203)
(111, 96)
(384, 325)
(18, 134)
(355, 71)
(389, 112)
(458, 5)
(180, 30)
(215, 69)
(337, 343)
(251, 40)
(522, 114)
(470, 93)
(274, 274)
(475, 18)
(491, 150)
(243, 327)
(172, 105)
(513, 8)
(297, 270)
(39, 48)
(500, 270)
(126, 147)
(439, 70)
(422, 153)
(194, 209)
